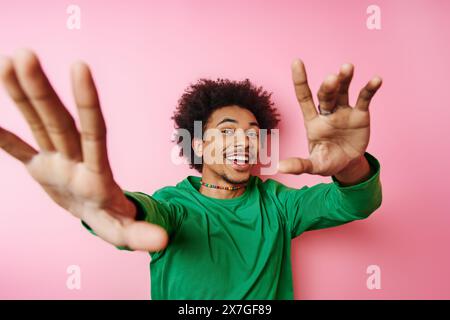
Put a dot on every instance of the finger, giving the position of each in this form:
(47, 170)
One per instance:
(366, 94)
(295, 166)
(12, 86)
(327, 93)
(302, 91)
(345, 77)
(93, 127)
(57, 120)
(16, 147)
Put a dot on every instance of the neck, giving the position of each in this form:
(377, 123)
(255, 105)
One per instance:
(219, 193)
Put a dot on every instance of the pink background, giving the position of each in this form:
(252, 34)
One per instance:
(144, 53)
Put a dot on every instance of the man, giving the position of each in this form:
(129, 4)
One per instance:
(226, 234)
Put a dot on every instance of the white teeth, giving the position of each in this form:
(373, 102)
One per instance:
(238, 158)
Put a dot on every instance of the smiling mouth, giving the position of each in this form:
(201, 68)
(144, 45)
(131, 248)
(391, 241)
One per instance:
(238, 158)
(239, 162)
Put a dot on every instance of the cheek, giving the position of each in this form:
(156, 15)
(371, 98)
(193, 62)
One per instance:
(213, 153)
(253, 151)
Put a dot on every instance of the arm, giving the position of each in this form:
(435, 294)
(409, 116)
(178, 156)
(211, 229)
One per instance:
(338, 136)
(332, 204)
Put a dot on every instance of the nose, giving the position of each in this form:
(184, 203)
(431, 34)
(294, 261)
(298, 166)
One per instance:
(241, 141)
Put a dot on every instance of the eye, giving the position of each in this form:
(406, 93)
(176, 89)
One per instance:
(252, 134)
(227, 132)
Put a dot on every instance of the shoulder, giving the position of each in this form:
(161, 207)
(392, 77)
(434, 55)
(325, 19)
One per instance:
(165, 193)
(277, 190)
(173, 192)
(271, 185)
(269, 189)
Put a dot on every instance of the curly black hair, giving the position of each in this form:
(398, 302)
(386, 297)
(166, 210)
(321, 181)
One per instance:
(202, 98)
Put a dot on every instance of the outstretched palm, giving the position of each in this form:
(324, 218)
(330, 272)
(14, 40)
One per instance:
(72, 166)
(340, 133)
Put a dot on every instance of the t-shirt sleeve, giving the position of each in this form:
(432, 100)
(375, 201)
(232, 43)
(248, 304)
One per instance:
(151, 210)
(330, 204)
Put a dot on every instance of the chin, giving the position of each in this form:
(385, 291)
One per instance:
(236, 176)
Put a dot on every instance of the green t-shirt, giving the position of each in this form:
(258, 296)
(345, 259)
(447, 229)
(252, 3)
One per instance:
(240, 248)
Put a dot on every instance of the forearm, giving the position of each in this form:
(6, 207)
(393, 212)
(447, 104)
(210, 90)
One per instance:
(363, 196)
(327, 205)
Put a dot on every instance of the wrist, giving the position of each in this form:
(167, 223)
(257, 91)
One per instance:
(357, 171)
(130, 209)
(123, 206)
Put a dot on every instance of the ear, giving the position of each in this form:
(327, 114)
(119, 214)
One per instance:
(197, 146)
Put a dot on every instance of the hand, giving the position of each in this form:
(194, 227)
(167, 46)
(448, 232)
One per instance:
(71, 166)
(336, 141)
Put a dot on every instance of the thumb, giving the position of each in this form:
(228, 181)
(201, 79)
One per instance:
(144, 236)
(295, 166)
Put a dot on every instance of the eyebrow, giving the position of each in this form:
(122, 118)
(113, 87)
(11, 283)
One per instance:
(253, 123)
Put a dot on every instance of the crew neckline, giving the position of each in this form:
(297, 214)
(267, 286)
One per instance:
(193, 183)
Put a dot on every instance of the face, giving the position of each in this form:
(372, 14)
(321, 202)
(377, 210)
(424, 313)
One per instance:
(230, 144)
